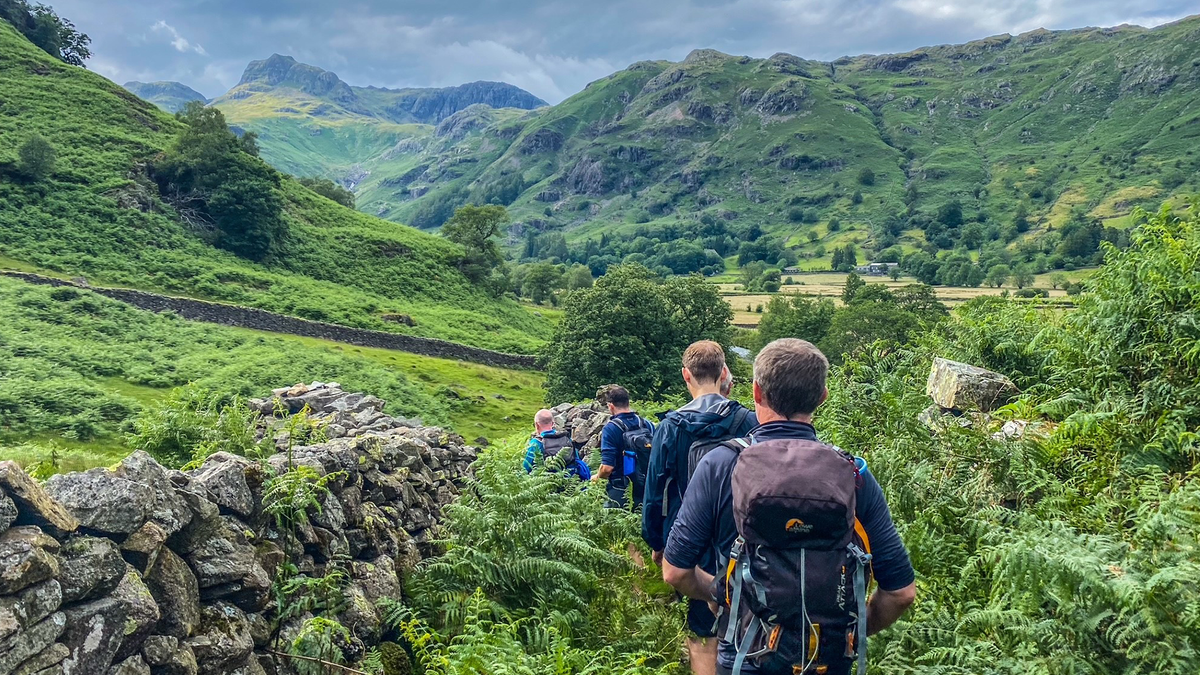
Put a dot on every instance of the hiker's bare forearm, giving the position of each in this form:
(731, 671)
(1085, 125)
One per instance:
(604, 472)
(695, 583)
(886, 607)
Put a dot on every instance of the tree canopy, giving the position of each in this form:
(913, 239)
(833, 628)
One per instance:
(630, 328)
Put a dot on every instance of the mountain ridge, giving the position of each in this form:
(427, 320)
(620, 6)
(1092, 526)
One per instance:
(168, 95)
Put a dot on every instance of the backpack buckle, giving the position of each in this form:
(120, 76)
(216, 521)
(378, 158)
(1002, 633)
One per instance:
(860, 555)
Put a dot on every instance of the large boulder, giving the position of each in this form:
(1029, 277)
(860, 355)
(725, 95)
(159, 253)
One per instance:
(32, 642)
(26, 558)
(34, 506)
(960, 386)
(94, 633)
(102, 501)
(223, 643)
(169, 510)
(175, 591)
(90, 567)
(133, 665)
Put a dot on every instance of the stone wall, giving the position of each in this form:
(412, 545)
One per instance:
(259, 319)
(141, 569)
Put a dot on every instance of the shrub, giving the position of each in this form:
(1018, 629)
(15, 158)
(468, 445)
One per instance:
(36, 158)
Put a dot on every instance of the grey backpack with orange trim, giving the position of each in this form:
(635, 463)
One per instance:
(794, 590)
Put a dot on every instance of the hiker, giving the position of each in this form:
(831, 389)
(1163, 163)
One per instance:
(681, 439)
(800, 527)
(624, 449)
(553, 449)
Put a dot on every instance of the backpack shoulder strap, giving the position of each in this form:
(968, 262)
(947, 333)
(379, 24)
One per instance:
(620, 423)
(739, 444)
(739, 417)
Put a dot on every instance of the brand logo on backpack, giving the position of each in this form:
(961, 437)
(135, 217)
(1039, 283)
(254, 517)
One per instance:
(797, 526)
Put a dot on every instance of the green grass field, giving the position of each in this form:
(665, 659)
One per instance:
(75, 367)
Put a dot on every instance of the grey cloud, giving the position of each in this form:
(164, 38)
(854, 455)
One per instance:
(552, 48)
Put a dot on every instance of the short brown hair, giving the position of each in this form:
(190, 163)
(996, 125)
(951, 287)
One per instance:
(705, 360)
(614, 394)
(791, 375)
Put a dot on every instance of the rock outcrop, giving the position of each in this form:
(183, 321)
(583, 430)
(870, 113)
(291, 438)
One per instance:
(959, 386)
(145, 569)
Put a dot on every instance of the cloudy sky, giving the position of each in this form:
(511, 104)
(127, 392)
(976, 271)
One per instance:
(550, 47)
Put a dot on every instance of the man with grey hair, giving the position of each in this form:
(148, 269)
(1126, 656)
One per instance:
(549, 447)
(789, 385)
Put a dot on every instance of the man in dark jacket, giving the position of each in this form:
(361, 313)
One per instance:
(682, 436)
(789, 384)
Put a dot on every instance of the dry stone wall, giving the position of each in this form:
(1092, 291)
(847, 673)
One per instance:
(259, 319)
(140, 569)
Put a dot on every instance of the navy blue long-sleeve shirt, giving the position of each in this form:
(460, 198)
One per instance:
(704, 528)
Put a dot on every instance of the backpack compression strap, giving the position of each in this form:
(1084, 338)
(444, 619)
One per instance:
(860, 591)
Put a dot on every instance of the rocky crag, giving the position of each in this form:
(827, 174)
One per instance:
(140, 569)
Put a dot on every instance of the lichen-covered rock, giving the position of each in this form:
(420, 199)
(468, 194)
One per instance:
(133, 665)
(224, 476)
(103, 501)
(44, 661)
(961, 386)
(34, 506)
(27, 608)
(8, 512)
(167, 656)
(93, 634)
(223, 643)
(90, 567)
(168, 510)
(33, 641)
(26, 558)
(225, 565)
(141, 612)
(175, 591)
(141, 548)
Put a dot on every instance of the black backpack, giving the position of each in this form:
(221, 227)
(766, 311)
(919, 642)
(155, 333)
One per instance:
(558, 444)
(701, 447)
(636, 443)
(794, 590)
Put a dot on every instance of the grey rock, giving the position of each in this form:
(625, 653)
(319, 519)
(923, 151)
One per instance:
(223, 642)
(141, 548)
(34, 506)
(103, 501)
(48, 658)
(225, 565)
(169, 510)
(175, 591)
(33, 642)
(260, 630)
(8, 512)
(90, 567)
(955, 385)
(167, 656)
(26, 558)
(133, 665)
(27, 608)
(141, 612)
(223, 475)
(94, 632)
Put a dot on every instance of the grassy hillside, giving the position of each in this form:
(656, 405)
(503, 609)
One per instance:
(75, 367)
(96, 215)
(1042, 127)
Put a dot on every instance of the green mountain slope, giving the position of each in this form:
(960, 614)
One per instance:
(1046, 124)
(170, 96)
(97, 215)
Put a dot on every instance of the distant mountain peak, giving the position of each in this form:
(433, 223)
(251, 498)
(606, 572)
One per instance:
(170, 96)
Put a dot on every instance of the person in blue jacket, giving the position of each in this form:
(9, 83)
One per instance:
(682, 436)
